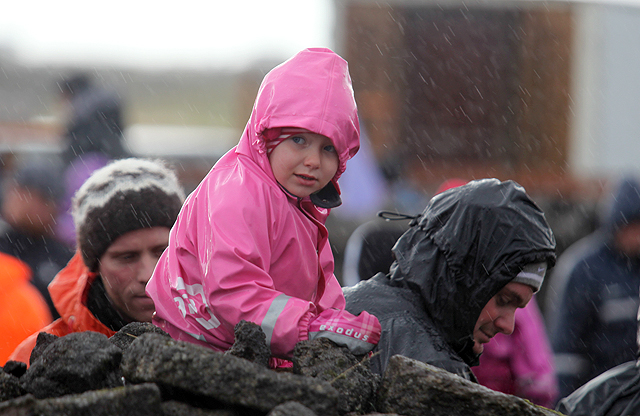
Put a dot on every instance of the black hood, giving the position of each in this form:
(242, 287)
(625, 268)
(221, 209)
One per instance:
(467, 244)
(623, 205)
(96, 125)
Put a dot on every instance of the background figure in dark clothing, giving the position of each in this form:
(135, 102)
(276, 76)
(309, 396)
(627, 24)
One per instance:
(594, 289)
(93, 137)
(95, 124)
(476, 254)
(615, 392)
(368, 250)
(29, 207)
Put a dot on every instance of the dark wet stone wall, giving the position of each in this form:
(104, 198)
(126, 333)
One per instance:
(142, 371)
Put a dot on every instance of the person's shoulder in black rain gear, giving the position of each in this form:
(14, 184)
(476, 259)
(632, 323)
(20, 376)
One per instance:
(615, 392)
(465, 247)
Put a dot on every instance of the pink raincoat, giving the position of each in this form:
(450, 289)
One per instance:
(242, 248)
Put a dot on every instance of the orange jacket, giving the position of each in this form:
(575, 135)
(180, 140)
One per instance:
(68, 291)
(23, 310)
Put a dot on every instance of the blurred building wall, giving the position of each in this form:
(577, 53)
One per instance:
(605, 136)
(569, 88)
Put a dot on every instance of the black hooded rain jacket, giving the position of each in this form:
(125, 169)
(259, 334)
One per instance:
(468, 243)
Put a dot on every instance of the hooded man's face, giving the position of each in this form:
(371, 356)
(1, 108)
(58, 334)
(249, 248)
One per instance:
(498, 315)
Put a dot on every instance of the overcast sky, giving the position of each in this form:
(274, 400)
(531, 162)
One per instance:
(152, 33)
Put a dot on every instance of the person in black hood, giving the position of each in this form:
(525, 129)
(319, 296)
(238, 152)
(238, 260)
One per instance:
(593, 293)
(475, 254)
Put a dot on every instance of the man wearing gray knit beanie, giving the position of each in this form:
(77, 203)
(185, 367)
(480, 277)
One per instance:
(476, 254)
(123, 214)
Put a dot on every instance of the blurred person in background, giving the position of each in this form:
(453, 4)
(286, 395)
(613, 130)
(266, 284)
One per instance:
(364, 191)
(29, 207)
(95, 122)
(93, 137)
(23, 310)
(594, 294)
(123, 214)
(368, 249)
(616, 392)
(476, 254)
(363, 186)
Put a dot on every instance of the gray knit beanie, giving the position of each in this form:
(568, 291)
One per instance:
(532, 274)
(123, 196)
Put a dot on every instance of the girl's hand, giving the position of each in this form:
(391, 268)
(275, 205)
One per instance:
(358, 333)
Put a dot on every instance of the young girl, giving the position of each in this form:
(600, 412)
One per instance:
(250, 242)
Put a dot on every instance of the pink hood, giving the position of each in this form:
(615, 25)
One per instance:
(312, 90)
(243, 249)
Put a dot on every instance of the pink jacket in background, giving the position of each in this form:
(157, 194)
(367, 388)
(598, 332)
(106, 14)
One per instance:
(521, 364)
(243, 249)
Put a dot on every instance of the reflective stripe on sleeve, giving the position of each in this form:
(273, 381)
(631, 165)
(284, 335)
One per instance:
(621, 309)
(571, 364)
(270, 319)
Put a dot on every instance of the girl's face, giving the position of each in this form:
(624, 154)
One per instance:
(304, 163)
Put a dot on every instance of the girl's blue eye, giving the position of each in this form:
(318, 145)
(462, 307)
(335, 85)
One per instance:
(297, 139)
(330, 148)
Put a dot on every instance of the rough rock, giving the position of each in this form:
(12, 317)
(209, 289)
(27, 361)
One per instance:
(231, 380)
(380, 414)
(411, 387)
(10, 387)
(128, 333)
(21, 406)
(250, 343)
(176, 408)
(15, 368)
(352, 377)
(166, 377)
(42, 342)
(139, 400)
(74, 364)
(291, 409)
